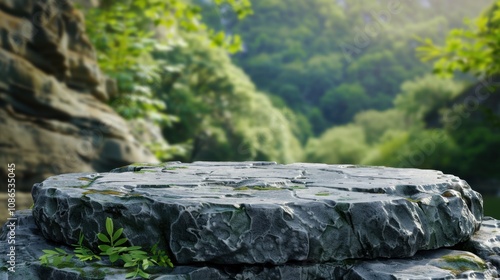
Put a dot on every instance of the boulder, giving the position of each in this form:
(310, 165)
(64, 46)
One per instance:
(53, 113)
(429, 265)
(262, 212)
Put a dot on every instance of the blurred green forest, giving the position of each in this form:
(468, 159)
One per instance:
(365, 82)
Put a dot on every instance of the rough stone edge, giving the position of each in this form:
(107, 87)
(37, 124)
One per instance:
(343, 270)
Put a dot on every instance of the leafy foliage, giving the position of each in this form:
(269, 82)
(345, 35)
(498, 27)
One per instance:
(424, 95)
(83, 253)
(131, 256)
(474, 49)
(125, 33)
(376, 123)
(398, 136)
(221, 111)
(309, 52)
(434, 122)
(342, 103)
(344, 144)
(345, 71)
(56, 257)
(122, 35)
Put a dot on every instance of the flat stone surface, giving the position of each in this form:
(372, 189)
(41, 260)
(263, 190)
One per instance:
(429, 265)
(247, 213)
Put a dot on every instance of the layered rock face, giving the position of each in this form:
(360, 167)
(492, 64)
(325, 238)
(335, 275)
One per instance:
(262, 220)
(53, 116)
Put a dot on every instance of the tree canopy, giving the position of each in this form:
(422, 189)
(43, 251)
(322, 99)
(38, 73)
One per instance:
(314, 53)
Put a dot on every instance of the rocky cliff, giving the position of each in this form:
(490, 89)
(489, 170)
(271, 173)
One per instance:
(53, 113)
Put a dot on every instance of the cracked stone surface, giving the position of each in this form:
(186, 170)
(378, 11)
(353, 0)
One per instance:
(261, 212)
(486, 242)
(429, 265)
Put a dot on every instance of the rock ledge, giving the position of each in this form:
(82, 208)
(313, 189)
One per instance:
(262, 212)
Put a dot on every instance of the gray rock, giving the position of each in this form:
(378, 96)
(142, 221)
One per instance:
(248, 213)
(486, 242)
(29, 244)
(436, 264)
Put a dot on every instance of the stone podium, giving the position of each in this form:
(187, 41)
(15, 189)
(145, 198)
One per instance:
(262, 220)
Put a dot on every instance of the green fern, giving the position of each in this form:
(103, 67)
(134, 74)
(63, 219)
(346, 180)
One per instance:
(56, 257)
(132, 257)
(83, 253)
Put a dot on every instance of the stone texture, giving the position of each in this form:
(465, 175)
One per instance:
(29, 244)
(437, 264)
(52, 97)
(486, 243)
(247, 213)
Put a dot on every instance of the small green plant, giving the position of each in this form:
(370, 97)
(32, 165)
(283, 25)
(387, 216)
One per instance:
(132, 257)
(55, 257)
(83, 253)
